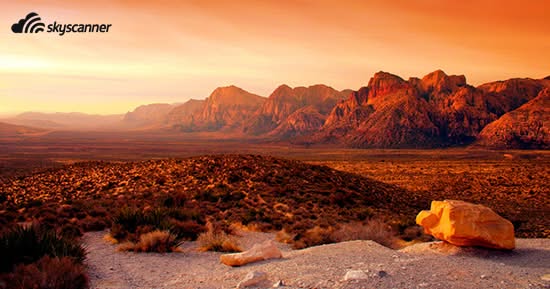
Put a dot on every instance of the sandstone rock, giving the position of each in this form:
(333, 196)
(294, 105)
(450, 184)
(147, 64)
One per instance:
(258, 252)
(355, 275)
(465, 224)
(253, 278)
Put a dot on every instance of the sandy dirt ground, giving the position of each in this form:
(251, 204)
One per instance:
(426, 265)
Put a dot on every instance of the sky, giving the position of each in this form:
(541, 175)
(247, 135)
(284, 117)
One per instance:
(171, 51)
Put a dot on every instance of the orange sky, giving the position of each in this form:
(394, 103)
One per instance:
(170, 51)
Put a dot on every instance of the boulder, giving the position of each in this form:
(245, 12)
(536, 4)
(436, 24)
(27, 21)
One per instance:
(355, 275)
(465, 224)
(258, 252)
(253, 278)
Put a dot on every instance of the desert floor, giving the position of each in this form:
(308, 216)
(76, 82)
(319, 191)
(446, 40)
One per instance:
(424, 265)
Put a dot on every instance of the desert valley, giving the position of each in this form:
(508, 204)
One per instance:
(331, 181)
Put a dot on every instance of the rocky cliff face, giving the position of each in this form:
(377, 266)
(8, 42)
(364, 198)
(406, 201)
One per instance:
(284, 101)
(527, 127)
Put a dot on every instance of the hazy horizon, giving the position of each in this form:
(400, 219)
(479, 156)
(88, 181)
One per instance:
(172, 51)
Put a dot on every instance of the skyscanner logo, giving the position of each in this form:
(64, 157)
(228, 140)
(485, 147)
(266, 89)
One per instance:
(32, 23)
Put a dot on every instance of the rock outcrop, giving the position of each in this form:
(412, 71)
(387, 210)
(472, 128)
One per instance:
(465, 224)
(258, 252)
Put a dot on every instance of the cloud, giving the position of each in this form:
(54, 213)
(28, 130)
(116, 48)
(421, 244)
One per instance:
(18, 27)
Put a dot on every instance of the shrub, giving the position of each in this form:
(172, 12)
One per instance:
(28, 244)
(129, 223)
(218, 241)
(374, 229)
(314, 237)
(155, 241)
(49, 273)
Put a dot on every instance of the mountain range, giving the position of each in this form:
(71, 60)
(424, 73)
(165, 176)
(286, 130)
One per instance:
(437, 110)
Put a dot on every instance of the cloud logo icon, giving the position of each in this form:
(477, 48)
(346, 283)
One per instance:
(30, 24)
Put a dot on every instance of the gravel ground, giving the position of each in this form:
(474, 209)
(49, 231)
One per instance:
(427, 265)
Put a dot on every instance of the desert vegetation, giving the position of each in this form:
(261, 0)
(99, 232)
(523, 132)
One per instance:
(35, 257)
(177, 195)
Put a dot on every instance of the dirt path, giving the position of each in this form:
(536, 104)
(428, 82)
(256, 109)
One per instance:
(429, 265)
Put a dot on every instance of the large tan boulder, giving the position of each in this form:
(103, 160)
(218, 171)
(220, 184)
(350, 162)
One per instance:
(465, 224)
(258, 252)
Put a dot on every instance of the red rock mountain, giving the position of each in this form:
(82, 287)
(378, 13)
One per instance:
(527, 127)
(285, 102)
(437, 110)
(226, 108)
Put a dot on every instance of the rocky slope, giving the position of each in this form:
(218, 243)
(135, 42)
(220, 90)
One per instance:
(527, 127)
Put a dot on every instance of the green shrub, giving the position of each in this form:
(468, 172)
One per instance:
(28, 244)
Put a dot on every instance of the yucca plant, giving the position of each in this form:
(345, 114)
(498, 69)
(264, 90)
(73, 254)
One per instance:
(28, 244)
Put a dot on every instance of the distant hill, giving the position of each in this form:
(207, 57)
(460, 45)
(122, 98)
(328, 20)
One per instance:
(66, 121)
(11, 130)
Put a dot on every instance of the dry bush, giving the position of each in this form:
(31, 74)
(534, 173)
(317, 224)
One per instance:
(314, 237)
(218, 241)
(155, 241)
(285, 237)
(48, 273)
(374, 229)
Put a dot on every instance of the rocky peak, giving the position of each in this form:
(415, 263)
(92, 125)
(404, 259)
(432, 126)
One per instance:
(439, 81)
(232, 95)
(282, 92)
(383, 83)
